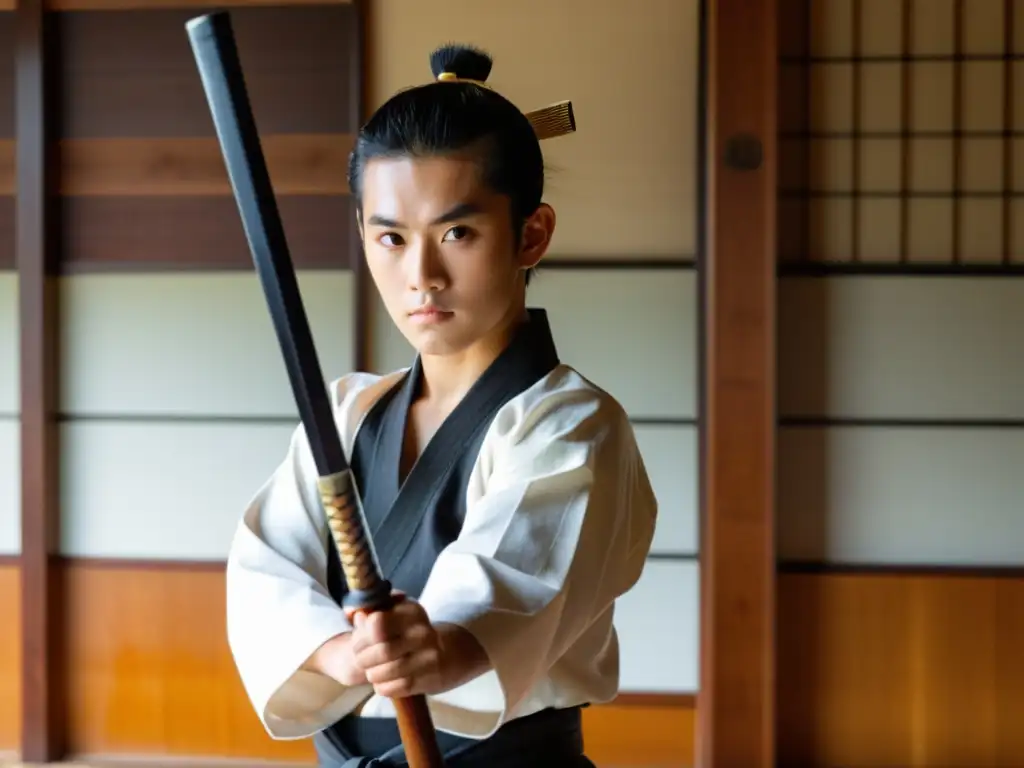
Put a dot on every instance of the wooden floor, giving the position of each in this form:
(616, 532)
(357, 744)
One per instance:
(145, 762)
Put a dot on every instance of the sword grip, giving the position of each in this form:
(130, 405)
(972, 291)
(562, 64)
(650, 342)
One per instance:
(369, 592)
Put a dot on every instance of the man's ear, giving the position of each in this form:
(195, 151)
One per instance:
(538, 229)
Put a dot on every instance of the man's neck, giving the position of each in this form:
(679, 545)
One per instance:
(447, 378)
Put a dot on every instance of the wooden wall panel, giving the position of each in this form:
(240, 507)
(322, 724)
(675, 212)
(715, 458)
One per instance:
(197, 233)
(7, 180)
(121, 5)
(150, 673)
(10, 656)
(6, 74)
(149, 670)
(884, 669)
(142, 177)
(131, 73)
(298, 163)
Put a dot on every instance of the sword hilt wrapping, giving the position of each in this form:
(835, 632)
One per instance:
(368, 590)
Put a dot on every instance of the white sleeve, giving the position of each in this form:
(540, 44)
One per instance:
(278, 608)
(561, 530)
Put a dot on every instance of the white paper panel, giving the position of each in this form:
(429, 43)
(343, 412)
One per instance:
(10, 486)
(170, 491)
(9, 362)
(902, 347)
(196, 344)
(917, 496)
(634, 333)
(659, 629)
(389, 350)
(670, 455)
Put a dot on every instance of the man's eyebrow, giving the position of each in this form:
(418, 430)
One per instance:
(382, 221)
(460, 211)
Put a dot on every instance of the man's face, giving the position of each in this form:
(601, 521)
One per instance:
(441, 250)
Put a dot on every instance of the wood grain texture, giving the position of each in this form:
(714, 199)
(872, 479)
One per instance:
(7, 232)
(150, 673)
(10, 657)
(736, 716)
(132, 73)
(41, 622)
(6, 72)
(299, 164)
(896, 669)
(7, 167)
(163, 233)
(129, 5)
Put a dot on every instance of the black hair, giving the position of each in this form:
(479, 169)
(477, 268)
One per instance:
(448, 117)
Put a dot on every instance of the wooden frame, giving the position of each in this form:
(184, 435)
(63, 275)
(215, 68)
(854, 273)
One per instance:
(42, 723)
(738, 279)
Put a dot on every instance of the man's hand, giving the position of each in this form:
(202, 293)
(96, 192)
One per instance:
(334, 659)
(398, 651)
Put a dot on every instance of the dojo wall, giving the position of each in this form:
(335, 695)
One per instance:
(10, 480)
(174, 402)
(901, 388)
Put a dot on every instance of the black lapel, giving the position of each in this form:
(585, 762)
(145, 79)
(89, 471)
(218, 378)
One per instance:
(529, 357)
(380, 473)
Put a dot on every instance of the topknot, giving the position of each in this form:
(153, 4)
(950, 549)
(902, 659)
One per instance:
(463, 61)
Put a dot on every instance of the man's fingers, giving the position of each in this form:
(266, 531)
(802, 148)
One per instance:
(387, 652)
(403, 672)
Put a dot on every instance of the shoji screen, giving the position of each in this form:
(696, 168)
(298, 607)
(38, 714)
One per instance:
(901, 382)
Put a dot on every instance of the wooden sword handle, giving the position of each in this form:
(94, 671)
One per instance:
(369, 592)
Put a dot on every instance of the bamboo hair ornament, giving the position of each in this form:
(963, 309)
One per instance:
(548, 122)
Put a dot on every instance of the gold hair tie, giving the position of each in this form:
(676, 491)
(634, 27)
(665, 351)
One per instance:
(548, 122)
(451, 77)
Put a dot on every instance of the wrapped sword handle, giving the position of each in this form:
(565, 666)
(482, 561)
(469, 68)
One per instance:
(369, 592)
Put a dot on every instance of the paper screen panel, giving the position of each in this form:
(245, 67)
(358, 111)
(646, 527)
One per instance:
(901, 347)
(901, 496)
(161, 491)
(658, 623)
(670, 456)
(10, 486)
(10, 408)
(191, 345)
(10, 386)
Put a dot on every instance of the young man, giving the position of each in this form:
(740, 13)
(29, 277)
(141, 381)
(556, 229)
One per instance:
(505, 493)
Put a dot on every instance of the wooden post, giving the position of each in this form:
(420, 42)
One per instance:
(738, 279)
(42, 723)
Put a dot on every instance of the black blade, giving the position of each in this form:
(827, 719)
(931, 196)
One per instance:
(213, 45)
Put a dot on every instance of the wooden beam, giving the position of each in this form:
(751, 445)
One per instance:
(42, 731)
(299, 164)
(737, 277)
(201, 5)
